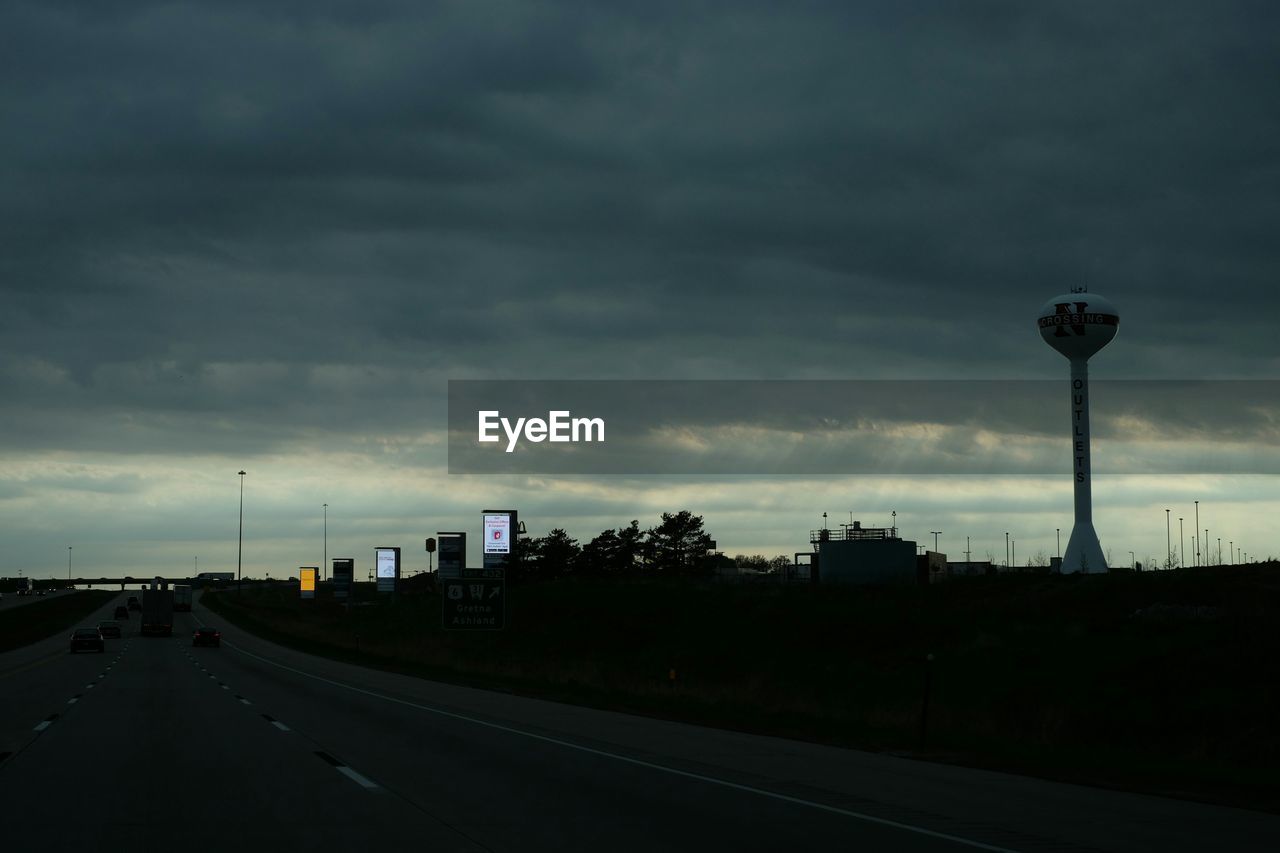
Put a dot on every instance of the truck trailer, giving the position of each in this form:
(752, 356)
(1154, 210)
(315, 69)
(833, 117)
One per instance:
(182, 598)
(157, 610)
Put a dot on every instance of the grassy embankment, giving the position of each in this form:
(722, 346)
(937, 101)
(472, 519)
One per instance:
(1052, 676)
(61, 612)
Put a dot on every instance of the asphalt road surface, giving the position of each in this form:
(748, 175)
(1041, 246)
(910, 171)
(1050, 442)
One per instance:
(156, 743)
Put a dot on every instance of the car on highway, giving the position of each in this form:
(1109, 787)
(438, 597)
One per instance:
(88, 639)
(110, 629)
(122, 612)
(206, 636)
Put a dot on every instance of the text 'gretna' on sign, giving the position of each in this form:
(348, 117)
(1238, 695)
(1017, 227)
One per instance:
(559, 426)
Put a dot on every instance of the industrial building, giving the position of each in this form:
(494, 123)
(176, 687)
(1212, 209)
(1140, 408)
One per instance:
(865, 555)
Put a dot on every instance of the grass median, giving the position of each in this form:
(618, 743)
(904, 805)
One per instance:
(29, 623)
(1166, 682)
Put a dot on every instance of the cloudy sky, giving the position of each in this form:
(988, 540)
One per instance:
(266, 236)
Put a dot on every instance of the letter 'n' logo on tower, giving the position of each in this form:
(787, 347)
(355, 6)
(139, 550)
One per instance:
(1065, 308)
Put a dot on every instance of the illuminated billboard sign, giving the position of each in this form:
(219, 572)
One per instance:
(387, 567)
(307, 580)
(500, 530)
(497, 533)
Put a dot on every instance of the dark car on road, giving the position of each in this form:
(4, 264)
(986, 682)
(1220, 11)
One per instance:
(110, 629)
(122, 612)
(206, 637)
(87, 639)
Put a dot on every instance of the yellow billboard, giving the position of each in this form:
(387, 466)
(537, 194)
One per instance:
(307, 577)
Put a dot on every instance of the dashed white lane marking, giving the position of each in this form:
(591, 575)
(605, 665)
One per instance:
(89, 686)
(43, 724)
(357, 778)
(245, 701)
(625, 759)
(73, 700)
(279, 725)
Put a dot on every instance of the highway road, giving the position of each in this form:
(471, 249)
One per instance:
(156, 742)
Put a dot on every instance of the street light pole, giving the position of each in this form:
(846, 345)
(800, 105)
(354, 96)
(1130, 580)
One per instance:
(240, 538)
(1058, 530)
(324, 571)
(1182, 546)
(1197, 532)
(68, 562)
(1133, 561)
(1168, 547)
(1006, 550)
(936, 534)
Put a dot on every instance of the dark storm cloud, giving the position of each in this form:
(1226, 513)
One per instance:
(209, 205)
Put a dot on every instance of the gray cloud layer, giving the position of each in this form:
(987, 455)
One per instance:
(241, 229)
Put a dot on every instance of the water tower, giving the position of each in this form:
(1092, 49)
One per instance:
(1078, 325)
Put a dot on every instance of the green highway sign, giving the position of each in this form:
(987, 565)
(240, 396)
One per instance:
(473, 604)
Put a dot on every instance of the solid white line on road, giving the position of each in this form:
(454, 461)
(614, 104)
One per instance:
(357, 778)
(919, 830)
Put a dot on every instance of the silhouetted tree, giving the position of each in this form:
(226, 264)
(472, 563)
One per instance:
(614, 553)
(680, 545)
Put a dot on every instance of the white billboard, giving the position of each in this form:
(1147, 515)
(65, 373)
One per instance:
(497, 533)
(385, 559)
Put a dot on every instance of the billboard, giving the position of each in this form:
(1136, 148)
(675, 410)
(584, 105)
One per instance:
(387, 567)
(500, 530)
(344, 569)
(453, 554)
(497, 533)
(307, 580)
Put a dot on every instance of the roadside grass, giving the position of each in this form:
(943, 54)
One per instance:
(1167, 682)
(39, 620)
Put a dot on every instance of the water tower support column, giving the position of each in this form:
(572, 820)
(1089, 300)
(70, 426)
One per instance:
(1084, 552)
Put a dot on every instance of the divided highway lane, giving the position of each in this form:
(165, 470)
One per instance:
(522, 774)
(39, 679)
(160, 753)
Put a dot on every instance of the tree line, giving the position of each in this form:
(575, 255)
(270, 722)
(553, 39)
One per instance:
(678, 546)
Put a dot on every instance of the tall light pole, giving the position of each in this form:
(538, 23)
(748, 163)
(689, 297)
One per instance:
(1231, 551)
(196, 570)
(68, 562)
(240, 539)
(1219, 550)
(1197, 532)
(1006, 550)
(1133, 561)
(1168, 546)
(936, 534)
(1205, 542)
(895, 523)
(325, 564)
(1058, 530)
(1182, 545)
